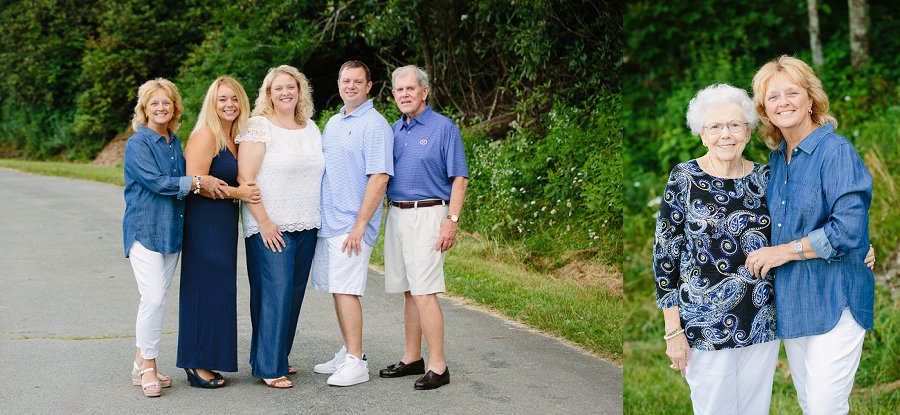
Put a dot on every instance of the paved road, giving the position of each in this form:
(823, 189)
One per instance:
(68, 302)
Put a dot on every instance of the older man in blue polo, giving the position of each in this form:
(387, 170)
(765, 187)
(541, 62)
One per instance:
(425, 197)
(357, 142)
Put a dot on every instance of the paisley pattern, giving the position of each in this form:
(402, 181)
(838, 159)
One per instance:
(705, 228)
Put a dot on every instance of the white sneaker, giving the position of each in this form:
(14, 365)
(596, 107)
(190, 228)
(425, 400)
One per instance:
(331, 366)
(351, 372)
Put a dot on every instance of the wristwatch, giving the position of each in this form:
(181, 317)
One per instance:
(453, 218)
(798, 247)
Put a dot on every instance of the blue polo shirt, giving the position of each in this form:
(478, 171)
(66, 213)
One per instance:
(355, 146)
(155, 187)
(428, 153)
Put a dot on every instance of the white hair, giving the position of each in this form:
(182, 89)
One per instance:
(719, 94)
(421, 75)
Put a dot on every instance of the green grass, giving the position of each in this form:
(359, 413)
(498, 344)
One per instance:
(489, 273)
(103, 174)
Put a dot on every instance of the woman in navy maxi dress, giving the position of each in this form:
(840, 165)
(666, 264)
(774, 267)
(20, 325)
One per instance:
(207, 334)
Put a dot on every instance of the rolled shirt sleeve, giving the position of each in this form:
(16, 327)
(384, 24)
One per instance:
(849, 194)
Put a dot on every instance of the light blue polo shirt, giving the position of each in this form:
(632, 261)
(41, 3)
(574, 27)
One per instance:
(428, 152)
(355, 146)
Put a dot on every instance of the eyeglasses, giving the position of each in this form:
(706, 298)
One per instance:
(733, 126)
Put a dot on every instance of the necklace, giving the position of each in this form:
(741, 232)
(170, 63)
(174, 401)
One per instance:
(716, 171)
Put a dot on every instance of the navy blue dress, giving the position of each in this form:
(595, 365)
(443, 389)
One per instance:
(207, 313)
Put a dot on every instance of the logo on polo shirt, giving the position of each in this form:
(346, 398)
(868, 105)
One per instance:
(423, 141)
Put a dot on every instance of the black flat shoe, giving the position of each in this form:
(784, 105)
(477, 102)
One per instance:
(402, 369)
(432, 380)
(197, 381)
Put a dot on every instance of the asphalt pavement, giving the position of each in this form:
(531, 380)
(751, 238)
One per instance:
(68, 302)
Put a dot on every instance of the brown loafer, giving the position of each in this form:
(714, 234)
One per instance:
(432, 380)
(402, 369)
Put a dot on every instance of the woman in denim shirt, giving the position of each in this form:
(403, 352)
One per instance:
(819, 195)
(155, 187)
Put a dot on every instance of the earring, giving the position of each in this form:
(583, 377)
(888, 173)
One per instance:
(810, 111)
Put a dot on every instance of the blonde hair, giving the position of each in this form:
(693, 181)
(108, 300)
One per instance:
(304, 108)
(800, 74)
(143, 97)
(209, 117)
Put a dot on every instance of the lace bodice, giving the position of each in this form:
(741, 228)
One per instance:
(290, 176)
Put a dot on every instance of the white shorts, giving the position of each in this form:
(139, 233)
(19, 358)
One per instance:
(411, 262)
(335, 272)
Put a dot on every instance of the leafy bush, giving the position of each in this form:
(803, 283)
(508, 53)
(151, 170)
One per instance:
(566, 183)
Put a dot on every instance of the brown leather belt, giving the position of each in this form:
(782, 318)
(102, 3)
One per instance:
(417, 203)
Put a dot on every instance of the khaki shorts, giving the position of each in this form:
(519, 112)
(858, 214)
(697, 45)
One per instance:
(333, 271)
(411, 263)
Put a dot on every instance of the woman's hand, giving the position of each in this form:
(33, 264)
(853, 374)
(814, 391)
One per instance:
(218, 189)
(249, 193)
(678, 351)
(271, 235)
(763, 260)
(870, 258)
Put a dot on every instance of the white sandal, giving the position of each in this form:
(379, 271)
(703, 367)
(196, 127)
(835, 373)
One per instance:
(151, 389)
(165, 381)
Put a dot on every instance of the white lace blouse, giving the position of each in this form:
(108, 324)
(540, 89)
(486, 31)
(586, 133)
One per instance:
(290, 176)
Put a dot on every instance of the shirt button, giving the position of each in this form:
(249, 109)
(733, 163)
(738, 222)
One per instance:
(782, 202)
(785, 182)
(779, 225)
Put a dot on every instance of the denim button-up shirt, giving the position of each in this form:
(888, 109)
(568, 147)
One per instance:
(155, 187)
(824, 194)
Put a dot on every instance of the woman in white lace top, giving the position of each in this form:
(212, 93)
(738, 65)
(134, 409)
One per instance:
(281, 151)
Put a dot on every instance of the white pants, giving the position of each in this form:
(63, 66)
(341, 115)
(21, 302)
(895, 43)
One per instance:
(823, 366)
(732, 381)
(153, 272)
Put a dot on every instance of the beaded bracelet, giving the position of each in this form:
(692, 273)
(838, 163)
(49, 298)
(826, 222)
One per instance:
(670, 336)
(197, 190)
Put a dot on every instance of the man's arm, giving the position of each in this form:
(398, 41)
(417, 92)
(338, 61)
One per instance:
(448, 228)
(375, 188)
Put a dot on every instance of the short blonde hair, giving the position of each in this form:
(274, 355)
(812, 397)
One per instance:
(304, 109)
(209, 117)
(801, 74)
(143, 97)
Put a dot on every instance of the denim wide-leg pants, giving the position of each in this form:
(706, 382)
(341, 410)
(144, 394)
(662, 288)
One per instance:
(277, 284)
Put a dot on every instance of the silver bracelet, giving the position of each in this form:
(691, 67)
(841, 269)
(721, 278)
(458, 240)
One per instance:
(197, 190)
(673, 334)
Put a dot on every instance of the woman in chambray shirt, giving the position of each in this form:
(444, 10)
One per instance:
(155, 187)
(819, 194)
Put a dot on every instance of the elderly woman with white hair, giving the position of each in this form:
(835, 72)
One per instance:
(719, 319)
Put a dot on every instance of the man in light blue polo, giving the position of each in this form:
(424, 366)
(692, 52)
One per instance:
(358, 145)
(426, 197)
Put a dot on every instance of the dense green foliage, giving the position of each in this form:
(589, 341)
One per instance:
(673, 50)
(534, 84)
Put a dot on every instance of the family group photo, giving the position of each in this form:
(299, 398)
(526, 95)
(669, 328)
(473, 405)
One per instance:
(460, 207)
(311, 207)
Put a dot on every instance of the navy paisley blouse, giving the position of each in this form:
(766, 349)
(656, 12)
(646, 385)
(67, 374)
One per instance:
(705, 228)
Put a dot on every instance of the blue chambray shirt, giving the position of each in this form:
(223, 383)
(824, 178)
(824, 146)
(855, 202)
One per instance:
(155, 187)
(825, 194)
(428, 153)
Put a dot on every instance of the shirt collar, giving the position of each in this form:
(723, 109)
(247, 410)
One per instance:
(153, 135)
(420, 119)
(359, 111)
(809, 144)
